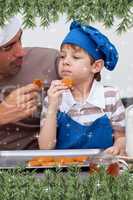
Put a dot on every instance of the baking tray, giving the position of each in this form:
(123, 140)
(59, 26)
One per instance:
(16, 158)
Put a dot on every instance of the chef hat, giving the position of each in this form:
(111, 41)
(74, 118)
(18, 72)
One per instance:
(93, 42)
(9, 30)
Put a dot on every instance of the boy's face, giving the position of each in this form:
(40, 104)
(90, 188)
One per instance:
(75, 63)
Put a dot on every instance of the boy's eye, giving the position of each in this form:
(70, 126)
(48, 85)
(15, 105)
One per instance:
(76, 57)
(62, 56)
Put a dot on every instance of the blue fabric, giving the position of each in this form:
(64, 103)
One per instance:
(93, 42)
(72, 135)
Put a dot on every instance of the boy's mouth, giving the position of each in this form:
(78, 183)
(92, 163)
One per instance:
(66, 73)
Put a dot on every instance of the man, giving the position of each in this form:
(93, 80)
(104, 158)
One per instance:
(19, 119)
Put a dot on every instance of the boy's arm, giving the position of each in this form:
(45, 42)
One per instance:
(118, 147)
(47, 137)
(117, 120)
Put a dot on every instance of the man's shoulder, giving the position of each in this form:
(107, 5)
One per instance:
(40, 51)
(39, 62)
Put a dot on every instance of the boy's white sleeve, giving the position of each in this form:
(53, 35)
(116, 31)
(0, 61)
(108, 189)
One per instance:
(44, 111)
(118, 114)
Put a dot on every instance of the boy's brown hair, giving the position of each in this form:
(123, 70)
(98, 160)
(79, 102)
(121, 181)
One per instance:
(97, 76)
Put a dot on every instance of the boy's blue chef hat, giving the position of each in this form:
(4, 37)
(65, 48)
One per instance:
(93, 42)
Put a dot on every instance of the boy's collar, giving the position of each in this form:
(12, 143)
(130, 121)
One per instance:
(96, 97)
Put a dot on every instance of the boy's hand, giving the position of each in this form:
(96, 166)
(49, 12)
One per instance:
(118, 148)
(54, 94)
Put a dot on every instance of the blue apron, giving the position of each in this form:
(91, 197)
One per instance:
(73, 135)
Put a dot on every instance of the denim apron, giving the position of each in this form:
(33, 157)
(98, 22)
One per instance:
(73, 135)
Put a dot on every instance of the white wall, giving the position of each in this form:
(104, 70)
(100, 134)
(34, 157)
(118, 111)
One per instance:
(122, 76)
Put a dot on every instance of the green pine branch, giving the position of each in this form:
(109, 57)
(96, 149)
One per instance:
(21, 184)
(85, 11)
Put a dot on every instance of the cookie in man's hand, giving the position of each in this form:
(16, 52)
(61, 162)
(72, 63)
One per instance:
(38, 82)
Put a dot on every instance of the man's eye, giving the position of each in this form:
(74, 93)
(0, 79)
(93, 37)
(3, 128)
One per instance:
(7, 48)
(10, 47)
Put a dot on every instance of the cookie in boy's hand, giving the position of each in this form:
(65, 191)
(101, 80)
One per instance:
(38, 82)
(67, 81)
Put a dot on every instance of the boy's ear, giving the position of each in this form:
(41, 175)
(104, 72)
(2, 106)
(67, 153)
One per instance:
(98, 65)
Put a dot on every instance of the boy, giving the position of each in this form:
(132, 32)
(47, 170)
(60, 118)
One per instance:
(89, 115)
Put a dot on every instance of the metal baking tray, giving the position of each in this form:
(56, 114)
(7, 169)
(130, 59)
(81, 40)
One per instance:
(16, 158)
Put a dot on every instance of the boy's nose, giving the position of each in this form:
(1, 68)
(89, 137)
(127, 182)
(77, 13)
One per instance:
(66, 61)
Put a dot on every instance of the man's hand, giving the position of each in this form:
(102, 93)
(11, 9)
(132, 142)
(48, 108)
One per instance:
(19, 104)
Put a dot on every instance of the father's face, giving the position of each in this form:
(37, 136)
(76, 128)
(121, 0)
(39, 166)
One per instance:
(11, 55)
